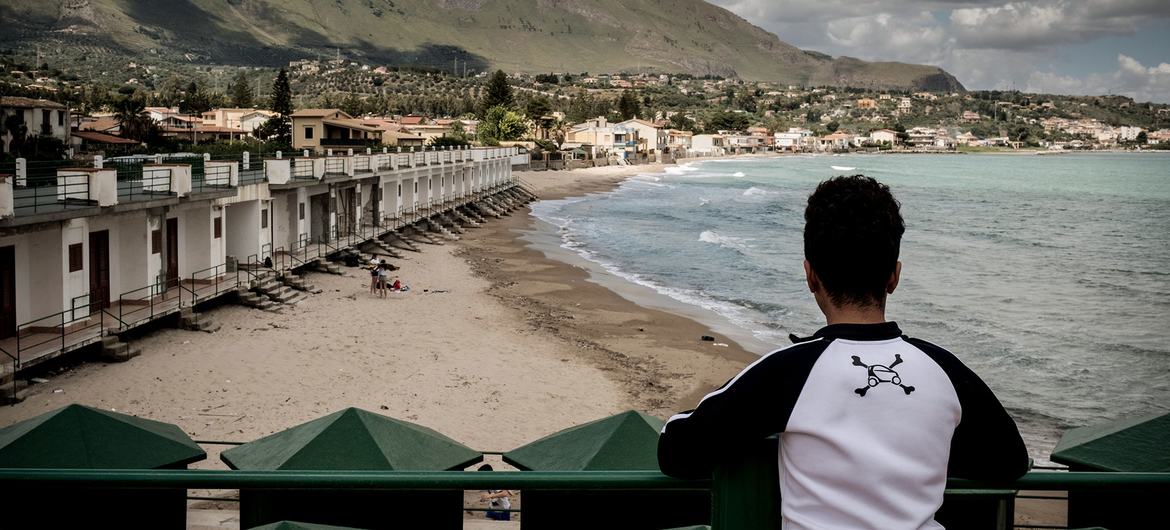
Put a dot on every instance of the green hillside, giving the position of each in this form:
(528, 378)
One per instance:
(677, 36)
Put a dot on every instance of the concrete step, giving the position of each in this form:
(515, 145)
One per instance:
(284, 294)
(119, 353)
(11, 396)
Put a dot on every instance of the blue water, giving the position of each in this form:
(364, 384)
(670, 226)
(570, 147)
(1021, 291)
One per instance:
(1048, 275)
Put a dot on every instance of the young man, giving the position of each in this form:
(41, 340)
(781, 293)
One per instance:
(871, 422)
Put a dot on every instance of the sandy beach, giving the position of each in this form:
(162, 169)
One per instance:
(495, 346)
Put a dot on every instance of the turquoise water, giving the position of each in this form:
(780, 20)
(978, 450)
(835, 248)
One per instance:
(1048, 275)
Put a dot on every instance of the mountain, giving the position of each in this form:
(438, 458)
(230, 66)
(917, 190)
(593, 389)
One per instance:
(533, 36)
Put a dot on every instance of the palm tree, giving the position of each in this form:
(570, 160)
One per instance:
(132, 122)
(17, 132)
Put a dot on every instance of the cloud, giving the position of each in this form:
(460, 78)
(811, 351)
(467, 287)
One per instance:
(916, 37)
(1131, 78)
(1030, 25)
(998, 44)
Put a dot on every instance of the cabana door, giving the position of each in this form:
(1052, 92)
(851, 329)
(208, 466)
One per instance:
(7, 292)
(99, 270)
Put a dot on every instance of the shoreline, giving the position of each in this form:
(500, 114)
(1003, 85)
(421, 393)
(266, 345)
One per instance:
(644, 346)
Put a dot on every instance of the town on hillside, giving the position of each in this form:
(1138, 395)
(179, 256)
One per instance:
(322, 105)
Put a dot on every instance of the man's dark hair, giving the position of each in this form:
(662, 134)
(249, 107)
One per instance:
(852, 234)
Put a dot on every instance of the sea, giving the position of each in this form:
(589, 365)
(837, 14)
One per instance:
(1047, 275)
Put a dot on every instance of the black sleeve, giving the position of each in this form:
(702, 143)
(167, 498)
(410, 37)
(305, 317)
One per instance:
(753, 405)
(986, 445)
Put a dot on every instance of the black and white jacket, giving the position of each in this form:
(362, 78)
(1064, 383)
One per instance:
(871, 424)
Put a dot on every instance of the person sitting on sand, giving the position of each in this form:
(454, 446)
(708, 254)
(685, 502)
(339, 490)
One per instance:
(397, 285)
(499, 501)
(871, 421)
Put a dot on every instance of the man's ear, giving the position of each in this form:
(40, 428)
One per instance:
(894, 278)
(814, 283)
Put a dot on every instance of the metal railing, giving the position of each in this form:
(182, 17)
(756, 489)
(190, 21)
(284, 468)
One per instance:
(384, 161)
(361, 164)
(348, 142)
(726, 511)
(302, 169)
(144, 304)
(213, 279)
(52, 193)
(144, 183)
(335, 166)
(196, 162)
(253, 172)
(217, 177)
(57, 332)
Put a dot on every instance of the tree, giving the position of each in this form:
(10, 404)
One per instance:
(628, 106)
(681, 122)
(133, 123)
(279, 127)
(832, 126)
(241, 92)
(1142, 138)
(498, 92)
(537, 107)
(351, 105)
(727, 121)
(17, 130)
(499, 123)
(195, 100)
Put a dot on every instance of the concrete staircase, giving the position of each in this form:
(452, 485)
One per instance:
(419, 235)
(397, 241)
(469, 211)
(277, 291)
(116, 351)
(486, 209)
(464, 220)
(447, 222)
(256, 301)
(321, 265)
(436, 227)
(386, 249)
(193, 321)
(299, 283)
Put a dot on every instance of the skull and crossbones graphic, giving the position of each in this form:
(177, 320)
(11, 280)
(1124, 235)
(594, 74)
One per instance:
(880, 373)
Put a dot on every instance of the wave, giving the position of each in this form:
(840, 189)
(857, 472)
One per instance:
(738, 174)
(751, 319)
(754, 191)
(738, 244)
(680, 170)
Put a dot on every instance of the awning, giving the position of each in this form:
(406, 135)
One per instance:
(81, 437)
(353, 439)
(625, 441)
(1134, 444)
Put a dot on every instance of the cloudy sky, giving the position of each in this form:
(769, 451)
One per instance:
(1057, 46)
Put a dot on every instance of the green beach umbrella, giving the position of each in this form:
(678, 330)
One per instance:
(353, 439)
(625, 441)
(1133, 444)
(81, 437)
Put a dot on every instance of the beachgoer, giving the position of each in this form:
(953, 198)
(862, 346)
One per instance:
(871, 421)
(499, 501)
(397, 285)
(373, 275)
(383, 273)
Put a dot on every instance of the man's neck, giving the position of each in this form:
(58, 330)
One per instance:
(855, 315)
